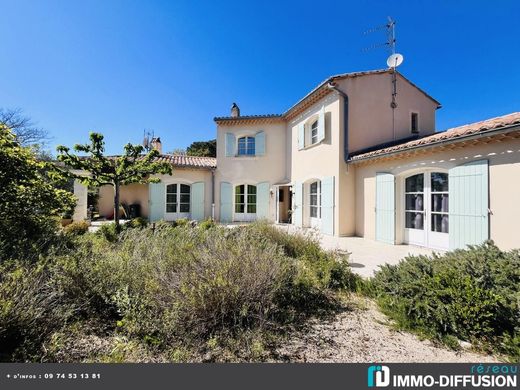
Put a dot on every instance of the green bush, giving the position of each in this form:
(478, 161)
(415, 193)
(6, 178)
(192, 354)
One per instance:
(77, 228)
(108, 231)
(139, 223)
(183, 292)
(471, 294)
(207, 224)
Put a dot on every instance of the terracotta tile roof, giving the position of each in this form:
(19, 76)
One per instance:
(454, 134)
(312, 97)
(188, 161)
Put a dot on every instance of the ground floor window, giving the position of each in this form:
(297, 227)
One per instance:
(178, 198)
(315, 199)
(245, 199)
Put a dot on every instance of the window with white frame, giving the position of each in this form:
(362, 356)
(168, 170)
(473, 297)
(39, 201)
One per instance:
(439, 202)
(315, 199)
(246, 146)
(314, 132)
(178, 198)
(414, 202)
(245, 199)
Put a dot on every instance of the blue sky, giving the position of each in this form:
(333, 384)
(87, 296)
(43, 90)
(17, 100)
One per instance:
(119, 67)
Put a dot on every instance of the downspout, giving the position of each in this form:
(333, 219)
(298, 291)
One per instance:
(213, 194)
(332, 85)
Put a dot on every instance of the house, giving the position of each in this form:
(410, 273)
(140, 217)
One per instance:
(359, 155)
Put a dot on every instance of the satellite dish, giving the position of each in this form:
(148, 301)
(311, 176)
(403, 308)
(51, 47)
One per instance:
(395, 60)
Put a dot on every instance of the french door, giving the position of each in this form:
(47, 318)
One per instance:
(426, 210)
(245, 203)
(177, 203)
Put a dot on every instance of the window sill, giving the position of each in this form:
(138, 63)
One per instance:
(312, 145)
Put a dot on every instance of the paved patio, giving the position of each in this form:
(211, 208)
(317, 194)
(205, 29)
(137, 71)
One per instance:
(366, 255)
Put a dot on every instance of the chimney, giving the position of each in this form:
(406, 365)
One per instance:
(235, 111)
(156, 144)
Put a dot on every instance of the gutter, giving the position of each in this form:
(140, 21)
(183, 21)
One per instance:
(213, 194)
(332, 85)
(481, 134)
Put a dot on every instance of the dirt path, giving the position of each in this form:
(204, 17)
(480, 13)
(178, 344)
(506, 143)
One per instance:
(363, 334)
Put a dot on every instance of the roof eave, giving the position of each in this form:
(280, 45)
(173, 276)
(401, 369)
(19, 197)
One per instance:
(481, 134)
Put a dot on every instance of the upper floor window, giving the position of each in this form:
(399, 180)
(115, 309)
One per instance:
(314, 132)
(414, 123)
(246, 146)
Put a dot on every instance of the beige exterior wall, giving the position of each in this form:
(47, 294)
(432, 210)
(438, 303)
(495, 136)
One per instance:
(138, 193)
(319, 160)
(504, 171)
(370, 114)
(271, 167)
(130, 194)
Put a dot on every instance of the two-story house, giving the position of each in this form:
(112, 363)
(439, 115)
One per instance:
(357, 156)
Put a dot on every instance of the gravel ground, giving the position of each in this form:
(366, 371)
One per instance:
(363, 334)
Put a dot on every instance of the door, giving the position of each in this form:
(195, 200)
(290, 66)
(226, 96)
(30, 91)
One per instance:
(426, 210)
(245, 203)
(315, 204)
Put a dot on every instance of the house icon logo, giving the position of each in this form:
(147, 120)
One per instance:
(378, 376)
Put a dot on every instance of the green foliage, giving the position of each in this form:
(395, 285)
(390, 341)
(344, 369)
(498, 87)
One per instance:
(108, 231)
(77, 228)
(31, 200)
(131, 167)
(207, 224)
(181, 292)
(203, 149)
(471, 294)
(137, 223)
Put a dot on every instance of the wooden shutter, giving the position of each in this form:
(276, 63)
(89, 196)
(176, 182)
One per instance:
(468, 204)
(156, 199)
(385, 207)
(262, 200)
(321, 125)
(327, 205)
(260, 143)
(230, 144)
(301, 136)
(197, 201)
(226, 202)
(297, 215)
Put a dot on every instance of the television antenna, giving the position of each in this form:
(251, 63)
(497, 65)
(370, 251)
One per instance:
(393, 61)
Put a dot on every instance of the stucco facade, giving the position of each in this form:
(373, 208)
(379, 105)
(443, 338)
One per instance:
(358, 155)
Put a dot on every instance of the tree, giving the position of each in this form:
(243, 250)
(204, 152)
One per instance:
(24, 129)
(203, 148)
(31, 198)
(131, 167)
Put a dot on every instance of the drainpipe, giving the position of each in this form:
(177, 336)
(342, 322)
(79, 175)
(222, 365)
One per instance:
(332, 85)
(213, 194)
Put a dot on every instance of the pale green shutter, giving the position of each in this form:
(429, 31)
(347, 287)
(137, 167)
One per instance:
(468, 204)
(156, 199)
(226, 202)
(321, 125)
(327, 205)
(230, 144)
(301, 136)
(197, 201)
(262, 200)
(297, 215)
(385, 207)
(260, 143)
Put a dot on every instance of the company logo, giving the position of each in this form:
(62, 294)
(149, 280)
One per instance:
(378, 376)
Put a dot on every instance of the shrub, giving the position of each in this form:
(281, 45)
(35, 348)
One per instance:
(207, 224)
(77, 228)
(470, 294)
(108, 231)
(139, 223)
